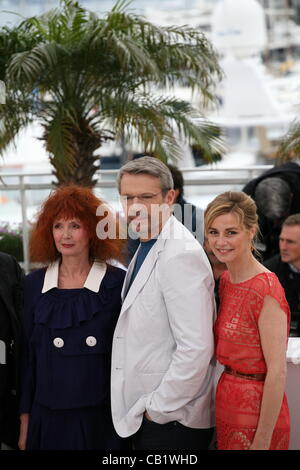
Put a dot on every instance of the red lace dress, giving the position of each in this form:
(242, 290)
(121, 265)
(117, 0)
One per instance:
(238, 346)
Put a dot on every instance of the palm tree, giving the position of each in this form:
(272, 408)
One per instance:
(88, 79)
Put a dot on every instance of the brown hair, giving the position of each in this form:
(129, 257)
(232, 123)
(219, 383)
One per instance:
(293, 219)
(70, 202)
(236, 202)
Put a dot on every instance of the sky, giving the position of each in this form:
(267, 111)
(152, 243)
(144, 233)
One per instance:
(36, 7)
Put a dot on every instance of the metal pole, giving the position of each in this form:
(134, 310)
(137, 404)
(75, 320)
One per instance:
(24, 224)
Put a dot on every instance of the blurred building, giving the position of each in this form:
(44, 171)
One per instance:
(283, 23)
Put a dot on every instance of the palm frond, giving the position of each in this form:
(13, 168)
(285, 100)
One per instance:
(59, 135)
(80, 75)
(151, 120)
(13, 119)
(121, 5)
(289, 147)
(29, 66)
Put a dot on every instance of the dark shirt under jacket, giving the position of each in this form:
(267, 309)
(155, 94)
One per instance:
(290, 281)
(142, 254)
(10, 335)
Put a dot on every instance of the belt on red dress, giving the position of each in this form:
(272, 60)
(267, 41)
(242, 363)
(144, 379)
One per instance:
(260, 376)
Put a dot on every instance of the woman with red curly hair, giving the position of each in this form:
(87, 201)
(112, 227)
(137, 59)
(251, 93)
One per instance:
(70, 311)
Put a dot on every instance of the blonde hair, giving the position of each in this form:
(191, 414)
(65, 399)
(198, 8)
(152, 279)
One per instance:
(235, 202)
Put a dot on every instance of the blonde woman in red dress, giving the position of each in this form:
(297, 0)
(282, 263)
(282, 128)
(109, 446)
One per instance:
(251, 333)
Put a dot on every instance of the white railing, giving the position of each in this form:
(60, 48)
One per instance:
(197, 177)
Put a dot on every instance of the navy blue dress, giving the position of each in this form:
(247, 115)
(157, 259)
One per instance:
(66, 364)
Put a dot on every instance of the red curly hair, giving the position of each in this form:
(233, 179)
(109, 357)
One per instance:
(68, 202)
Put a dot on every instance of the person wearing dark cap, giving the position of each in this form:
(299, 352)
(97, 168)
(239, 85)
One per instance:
(286, 266)
(277, 195)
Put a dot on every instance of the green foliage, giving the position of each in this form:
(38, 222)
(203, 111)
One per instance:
(88, 79)
(11, 241)
(289, 147)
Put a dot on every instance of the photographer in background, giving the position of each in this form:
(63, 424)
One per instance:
(276, 193)
(286, 265)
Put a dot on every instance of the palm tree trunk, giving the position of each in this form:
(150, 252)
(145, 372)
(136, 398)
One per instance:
(79, 164)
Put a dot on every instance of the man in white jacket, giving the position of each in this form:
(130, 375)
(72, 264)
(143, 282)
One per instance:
(162, 372)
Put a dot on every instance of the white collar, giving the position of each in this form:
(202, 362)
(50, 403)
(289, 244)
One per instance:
(294, 269)
(93, 281)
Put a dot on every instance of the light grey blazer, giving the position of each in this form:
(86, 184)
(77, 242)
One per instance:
(163, 343)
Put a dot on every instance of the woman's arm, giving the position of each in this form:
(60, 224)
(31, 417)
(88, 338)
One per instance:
(272, 326)
(24, 420)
